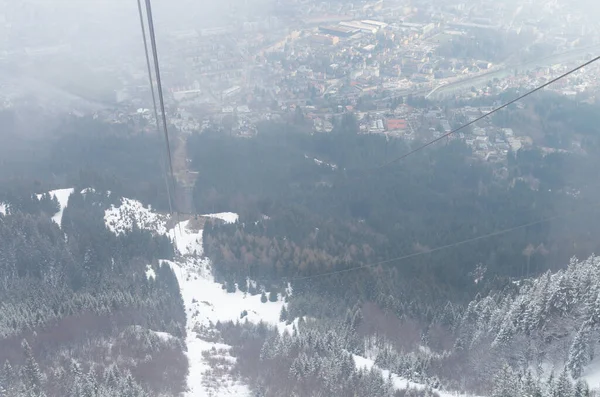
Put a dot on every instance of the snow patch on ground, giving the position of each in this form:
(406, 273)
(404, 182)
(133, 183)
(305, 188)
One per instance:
(2, 208)
(150, 273)
(132, 212)
(319, 162)
(228, 217)
(201, 382)
(187, 241)
(164, 336)
(207, 302)
(62, 195)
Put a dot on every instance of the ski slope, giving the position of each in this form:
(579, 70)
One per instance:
(206, 302)
(187, 242)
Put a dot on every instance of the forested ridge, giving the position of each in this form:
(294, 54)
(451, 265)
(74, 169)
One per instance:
(79, 316)
(301, 217)
(78, 311)
(311, 205)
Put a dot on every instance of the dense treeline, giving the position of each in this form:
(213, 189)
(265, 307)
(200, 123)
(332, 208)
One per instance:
(80, 299)
(313, 203)
(312, 360)
(85, 152)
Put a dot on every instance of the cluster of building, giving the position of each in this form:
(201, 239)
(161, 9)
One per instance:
(389, 63)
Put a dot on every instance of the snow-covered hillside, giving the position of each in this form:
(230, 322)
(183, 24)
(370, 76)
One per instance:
(187, 241)
(206, 302)
(62, 196)
(2, 208)
(555, 319)
(122, 218)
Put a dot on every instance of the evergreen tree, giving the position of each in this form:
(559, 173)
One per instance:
(550, 385)
(530, 386)
(263, 297)
(273, 296)
(578, 354)
(283, 316)
(8, 379)
(563, 387)
(582, 389)
(357, 318)
(506, 383)
(32, 376)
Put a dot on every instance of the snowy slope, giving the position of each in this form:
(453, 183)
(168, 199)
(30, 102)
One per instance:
(2, 208)
(206, 302)
(62, 195)
(399, 382)
(228, 217)
(188, 242)
(121, 219)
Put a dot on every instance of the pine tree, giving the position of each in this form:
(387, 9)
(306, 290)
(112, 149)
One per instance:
(272, 296)
(8, 380)
(582, 389)
(130, 388)
(90, 384)
(32, 376)
(578, 354)
(263, 297)
(530, 386)
(505, 383)
(563, 387)
(550, 385)
(357, 318)
(112, 376)
(283, 316)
